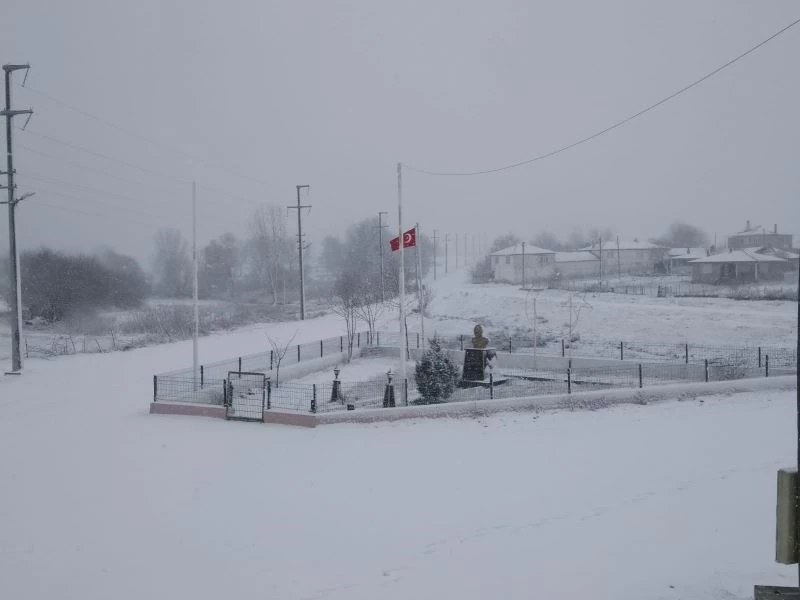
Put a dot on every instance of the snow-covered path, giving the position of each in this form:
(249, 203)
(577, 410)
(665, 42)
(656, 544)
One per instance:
(102, 500)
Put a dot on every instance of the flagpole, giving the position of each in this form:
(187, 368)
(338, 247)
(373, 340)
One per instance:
(418, 265)
(195, 368)
(402, 276)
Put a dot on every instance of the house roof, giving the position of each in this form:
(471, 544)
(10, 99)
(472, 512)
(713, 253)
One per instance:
(767, 250)
(517, 249)
(623, 245)
(737, 256)
(688, 253)
(565, 257)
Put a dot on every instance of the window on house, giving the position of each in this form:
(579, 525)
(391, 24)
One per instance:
(508, 260)
(706, 269)
(496, 260)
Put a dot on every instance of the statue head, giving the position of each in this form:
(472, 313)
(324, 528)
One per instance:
(478, 331)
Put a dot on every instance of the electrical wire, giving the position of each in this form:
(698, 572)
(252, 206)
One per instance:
(613, 126)
(139, 136)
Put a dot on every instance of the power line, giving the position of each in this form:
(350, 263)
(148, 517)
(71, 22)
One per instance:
(156, 218)
(217, 191)
(139, 136)
(615, 125)
(93, 214)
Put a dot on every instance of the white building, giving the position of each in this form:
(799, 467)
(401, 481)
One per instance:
(629, 257)
(577, 265)
(508, 264)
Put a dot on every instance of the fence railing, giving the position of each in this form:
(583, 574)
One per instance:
(503, 383)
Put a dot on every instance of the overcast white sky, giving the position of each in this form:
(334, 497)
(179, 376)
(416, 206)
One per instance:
(333, 94)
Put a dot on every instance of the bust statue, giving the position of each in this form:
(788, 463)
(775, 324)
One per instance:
(479, 341)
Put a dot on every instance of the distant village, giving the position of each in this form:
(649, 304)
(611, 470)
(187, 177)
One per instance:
(751, 255)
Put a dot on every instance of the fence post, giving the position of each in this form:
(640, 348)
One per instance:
(759, 357)
(358, 339)
(417, 340)
(271, 357)
(621, 351)
(569, 381)
(563, 354)
(202, 377)
(269, 394)
(509, 344)
(155, 388)
(240, 364)
(491, 386)
(408, 348)
(378, 338)
(706, 370)
(225, 392)
(766, 364)
(313, 397)
(320, 348)
(298, 352)
(341, 344)
(461, 341)
(640, 374)
(405, 392)
(687, 354)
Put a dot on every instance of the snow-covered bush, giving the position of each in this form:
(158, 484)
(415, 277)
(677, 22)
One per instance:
(436, 374)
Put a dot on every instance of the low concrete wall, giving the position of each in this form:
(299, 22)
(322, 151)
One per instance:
(289, 418)
(187, 408)
(579, 400)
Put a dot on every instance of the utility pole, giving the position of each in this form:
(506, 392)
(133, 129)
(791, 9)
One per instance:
(523, 265)
(465, 250)
(380, 244)
(455, 244)
(14, 275)
(299, 208)
(446, 243)
(435, 256)
(195, 311)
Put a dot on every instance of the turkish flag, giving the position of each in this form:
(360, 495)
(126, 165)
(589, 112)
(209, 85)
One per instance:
(409, 239)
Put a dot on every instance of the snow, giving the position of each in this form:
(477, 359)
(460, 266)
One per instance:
(737, 256)
(564, 257)
(102, 500)
(518, 250)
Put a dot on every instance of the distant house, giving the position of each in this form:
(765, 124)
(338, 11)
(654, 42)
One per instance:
(629, 257)
(678, 259)
(756, 236)
(507, 264)
(738, 266)
(576, 265)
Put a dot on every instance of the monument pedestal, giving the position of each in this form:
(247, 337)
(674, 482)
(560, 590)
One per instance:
(476, 368)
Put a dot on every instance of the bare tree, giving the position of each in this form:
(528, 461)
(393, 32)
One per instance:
(270, 247)
(279, 351)
(369, 310)
(172, 264)
(348, 304)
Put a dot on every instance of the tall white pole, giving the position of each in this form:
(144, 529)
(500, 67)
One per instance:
(195, 359)
(535, 339)
(402, 277)
(418, 266)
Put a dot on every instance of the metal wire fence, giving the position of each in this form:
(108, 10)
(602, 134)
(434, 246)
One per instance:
(504, 383)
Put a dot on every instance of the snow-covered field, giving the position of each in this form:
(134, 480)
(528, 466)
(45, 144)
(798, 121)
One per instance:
(102, 500)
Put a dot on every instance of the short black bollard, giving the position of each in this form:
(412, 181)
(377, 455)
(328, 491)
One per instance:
(202, 378)
(388, 393)
(569, 381)
(706, 370)
(759, 357)
(766, 365)
(240, 364)
(509, 345)
(225, 392)
(320, 348)
(491, 386)
(687, 354)
(298, 352)
(314, 398)
(563, 353)
(621, 351)
(155, 388)
(640, 374)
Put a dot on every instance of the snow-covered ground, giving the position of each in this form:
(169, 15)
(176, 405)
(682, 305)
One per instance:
(101, 500)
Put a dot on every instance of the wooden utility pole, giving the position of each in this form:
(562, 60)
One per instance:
(446, 244)
(435, 256)
(299, 208)
(523, 265)
(14, 276)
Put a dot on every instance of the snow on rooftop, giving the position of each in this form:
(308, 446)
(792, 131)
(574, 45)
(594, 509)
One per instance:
(688, 253)
(564, 257)
(517, 249)
(624, 245)
(738, 256)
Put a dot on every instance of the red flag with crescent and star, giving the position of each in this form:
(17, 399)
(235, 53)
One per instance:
(409, 240)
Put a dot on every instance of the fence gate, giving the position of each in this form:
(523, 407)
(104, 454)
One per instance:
(246, 396)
